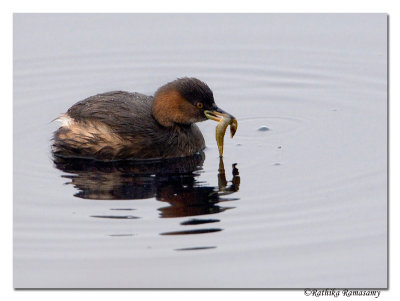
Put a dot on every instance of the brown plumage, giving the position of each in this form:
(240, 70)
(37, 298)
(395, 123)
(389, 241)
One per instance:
(122, 125)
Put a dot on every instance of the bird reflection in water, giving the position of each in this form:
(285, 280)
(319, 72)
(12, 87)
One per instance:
(172, 181)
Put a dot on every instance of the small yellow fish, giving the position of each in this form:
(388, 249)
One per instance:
(224, 119)
(221, 129)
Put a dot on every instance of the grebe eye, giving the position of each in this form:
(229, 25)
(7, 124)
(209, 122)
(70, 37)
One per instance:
(199, 105)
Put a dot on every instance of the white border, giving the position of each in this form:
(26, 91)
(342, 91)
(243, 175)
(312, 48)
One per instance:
(292, 6)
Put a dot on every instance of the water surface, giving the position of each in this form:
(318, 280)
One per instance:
(299, 199)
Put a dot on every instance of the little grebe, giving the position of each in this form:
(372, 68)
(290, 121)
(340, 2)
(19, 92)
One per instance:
(121, 125)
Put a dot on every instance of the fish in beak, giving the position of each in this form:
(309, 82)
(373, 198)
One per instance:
(224, 119)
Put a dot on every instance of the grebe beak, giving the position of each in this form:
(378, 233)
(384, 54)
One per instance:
(217, 114)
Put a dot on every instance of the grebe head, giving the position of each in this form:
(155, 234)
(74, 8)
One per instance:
(185, 101)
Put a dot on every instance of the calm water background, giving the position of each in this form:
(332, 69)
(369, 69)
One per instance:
(311, 207)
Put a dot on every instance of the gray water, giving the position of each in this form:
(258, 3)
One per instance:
(306, 204)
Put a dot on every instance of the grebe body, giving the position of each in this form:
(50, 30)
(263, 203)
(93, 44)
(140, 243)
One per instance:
(122, 125)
